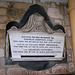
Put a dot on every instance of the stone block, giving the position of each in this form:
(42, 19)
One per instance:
(70, 55)
(58, 5)
(60, 69)
(2, 33)
(17, 71)
(1, 52)
(68, 31)
(44, 5)
(65, 9)
(2, 43)
(68, 43)
(42, 73)
(71, 67)
(2, 26)
(3, 11)
(20, 5)
(2, 72)
(2, 62)
(3, 19)
(67, 21)
(62, 10)
(17, 14)
(45, 72)
(32, 73)
(53, 4)
(37, 1)
(4, 4)
(54, 13)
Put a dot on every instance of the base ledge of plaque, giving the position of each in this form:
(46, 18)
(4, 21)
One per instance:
(37, 59)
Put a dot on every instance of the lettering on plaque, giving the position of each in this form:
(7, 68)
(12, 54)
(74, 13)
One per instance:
(36, 45)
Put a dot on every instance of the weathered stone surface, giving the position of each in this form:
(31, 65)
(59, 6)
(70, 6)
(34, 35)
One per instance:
(54, 13)
(20, 5)
(2, 26)
(48, 71)
(37, 1)
(2, 43)
(4, 4)
(62, 10)
(17, 71)
(2, 62)
(2, 72)
(58, 5)
(53, 5)
(61, 22)
(1, 52)
(32, 73)
(65, 10)
(3, 19)
(2, 33)
(70, 55)
(71, 67)
(68, 31)
(16, 14)
(60, 69)
(68, 43)
(43, 73)
(67, 22)
(3, 11)
(44, 5)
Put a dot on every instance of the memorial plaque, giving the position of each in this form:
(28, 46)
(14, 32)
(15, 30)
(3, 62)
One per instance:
(26, 48)
(31, 46)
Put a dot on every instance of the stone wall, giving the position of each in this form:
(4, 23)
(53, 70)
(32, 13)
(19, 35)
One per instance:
(10, 11)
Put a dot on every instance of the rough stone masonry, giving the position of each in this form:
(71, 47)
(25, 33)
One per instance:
(10, 11)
